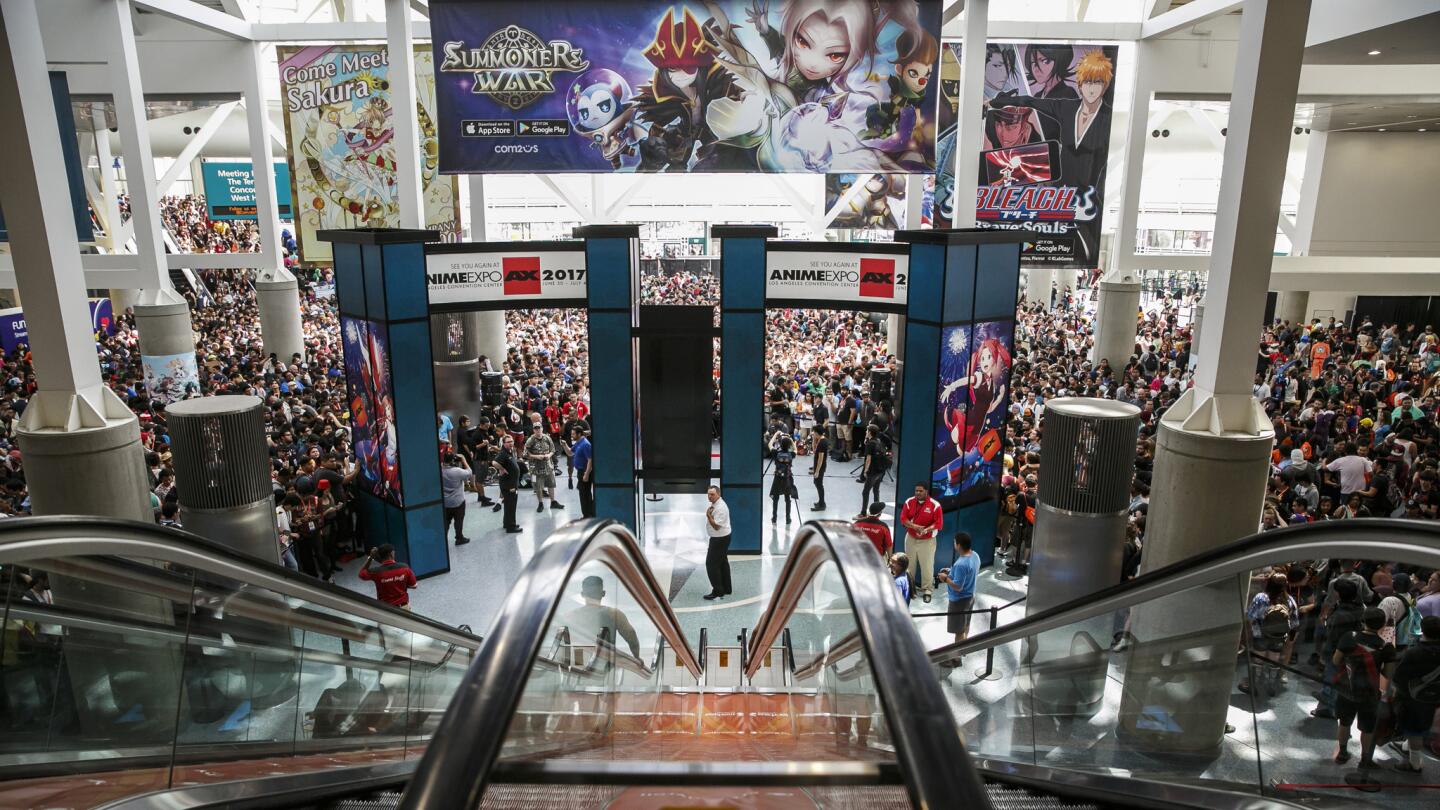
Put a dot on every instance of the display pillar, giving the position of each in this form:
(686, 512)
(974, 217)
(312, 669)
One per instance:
(380, 278)
(610, 252)
(278, 296)
(1115, 321)
(454, 343)
(742, 372)
(1038, 284)
(1293, 306)
(957, 278)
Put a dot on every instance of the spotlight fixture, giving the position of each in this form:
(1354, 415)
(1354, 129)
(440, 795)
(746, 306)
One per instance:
(1224, 131)
(1307, 130)
(1164, 133)
(1154, 133)
(1298, 130)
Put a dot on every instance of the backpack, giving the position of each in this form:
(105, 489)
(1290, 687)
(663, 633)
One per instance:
(1275, 623)
(1361, 673)
(1407, 630)
(1426, 688)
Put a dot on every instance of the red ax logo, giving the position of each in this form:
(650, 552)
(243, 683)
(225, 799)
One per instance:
(877, 278)
(522, 274)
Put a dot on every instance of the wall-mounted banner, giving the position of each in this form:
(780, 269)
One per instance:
(230, 188)
(463, 277)
(14, 331)
(865, 279)
(880, 204)
(705, 85)
(1047, 139)
(341, 132)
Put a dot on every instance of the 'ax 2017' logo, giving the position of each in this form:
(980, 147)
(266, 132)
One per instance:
(877, 278)
(522, 275)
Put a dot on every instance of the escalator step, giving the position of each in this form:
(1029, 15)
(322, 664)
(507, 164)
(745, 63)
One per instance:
(1005, 797)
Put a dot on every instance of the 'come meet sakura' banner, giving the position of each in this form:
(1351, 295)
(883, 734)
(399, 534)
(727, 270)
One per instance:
(703, 85)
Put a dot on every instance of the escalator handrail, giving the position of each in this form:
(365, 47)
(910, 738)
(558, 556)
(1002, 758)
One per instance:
(467, 743)
(24, 540)
(1409, 541)
(937, 767)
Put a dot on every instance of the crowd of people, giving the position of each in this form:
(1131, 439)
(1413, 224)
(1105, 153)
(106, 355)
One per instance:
(194, 232)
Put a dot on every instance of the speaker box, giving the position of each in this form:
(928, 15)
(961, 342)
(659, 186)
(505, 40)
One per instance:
(492, 391)
(881, 385)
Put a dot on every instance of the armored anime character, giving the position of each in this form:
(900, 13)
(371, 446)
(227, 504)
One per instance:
(673, 105)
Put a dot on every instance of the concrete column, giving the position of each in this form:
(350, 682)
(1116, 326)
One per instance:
(477, 207)
(167, 350)
(1066, 280)
(1292, 306)
(222, 467)
(1122, 246)
(1115, 321)
(490, 337)
(971, 127)
(400, 43)
(1213, 444)
(894, 332)
(109, 191)
(122, 300)
(279, 302)
(1039, 285)
(454, 345)
(1197, 321)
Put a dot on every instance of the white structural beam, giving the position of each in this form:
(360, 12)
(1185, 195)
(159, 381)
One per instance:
(129, 99)
(1207, 126)
(951, 10)
(971, 127)
(119, 234)
(400, 41)
(1188, 15)
(637, 183)
(193, 146)
(476, 188)
(1154, 8)
(188, 11)
(267, 209)
(1140, 125)
(341, 31)
(579, 206)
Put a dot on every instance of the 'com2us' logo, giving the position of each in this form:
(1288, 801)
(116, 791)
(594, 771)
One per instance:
(514, 66)
(522, 275)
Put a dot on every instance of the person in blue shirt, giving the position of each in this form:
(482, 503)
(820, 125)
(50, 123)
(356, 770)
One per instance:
(900, 570)
(444, 426)
(960, 586)
(583, 457)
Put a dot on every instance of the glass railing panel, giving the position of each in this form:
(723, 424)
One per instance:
(91, 674)
(835, 708)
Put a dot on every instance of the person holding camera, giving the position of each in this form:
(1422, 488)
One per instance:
(453, 478)
(783, 484)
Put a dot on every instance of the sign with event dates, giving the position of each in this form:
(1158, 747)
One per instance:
(855, 280)
(460, 275)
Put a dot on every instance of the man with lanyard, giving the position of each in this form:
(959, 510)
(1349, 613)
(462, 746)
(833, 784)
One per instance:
(922, 518)
(875, 529)
(583, 457)
(509, 481)
(393, 580)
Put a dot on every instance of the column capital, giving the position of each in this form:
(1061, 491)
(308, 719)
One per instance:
(1230, 416)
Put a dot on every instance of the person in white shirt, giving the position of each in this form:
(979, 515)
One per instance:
(717, 561)
(1353, 469)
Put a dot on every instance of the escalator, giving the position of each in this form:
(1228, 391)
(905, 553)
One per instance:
(587, 693)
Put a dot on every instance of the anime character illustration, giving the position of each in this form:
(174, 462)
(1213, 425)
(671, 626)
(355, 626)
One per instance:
(870, 207)
(1002, 73)
(1012, 125)
(688, 79)
(903, 110)
(372, 409)
(1082, 126)
(1049, 69)
(597, 108)
(1010, 167)
(969, 461)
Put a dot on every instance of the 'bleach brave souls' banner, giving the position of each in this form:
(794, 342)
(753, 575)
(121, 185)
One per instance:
(698, 85)
(1047, 113)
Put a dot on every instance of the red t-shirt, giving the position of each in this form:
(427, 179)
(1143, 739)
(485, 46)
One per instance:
(393, 582)
(878, 533)
(927, 515)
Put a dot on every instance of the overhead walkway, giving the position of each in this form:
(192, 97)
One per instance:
(587, 693)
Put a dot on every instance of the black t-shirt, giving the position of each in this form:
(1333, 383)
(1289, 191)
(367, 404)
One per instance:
(1419, 663)
(1380, 505)
(821, 413)
(1365, 655)
(822, 450)
(875, 449)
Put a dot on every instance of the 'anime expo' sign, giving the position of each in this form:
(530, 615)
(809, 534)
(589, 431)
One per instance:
(705, 85)
(871, 278)
(461, 277)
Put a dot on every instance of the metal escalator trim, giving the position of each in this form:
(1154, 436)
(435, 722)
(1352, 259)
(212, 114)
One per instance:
(56, 537)
(697, 774)
(847, 646)
(295, 790)
(457, 764)
(928, 747)
(1408, 541)
(1119, 790)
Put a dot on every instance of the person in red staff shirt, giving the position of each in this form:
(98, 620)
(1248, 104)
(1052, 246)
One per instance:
(875, 529)
(393, 580)
(922, 518)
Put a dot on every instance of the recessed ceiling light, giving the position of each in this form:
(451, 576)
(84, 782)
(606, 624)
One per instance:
(1382, 129)
(1375, 52)
(1377, 107)
(1351, 123)
(1421, 129)
(1412, 116)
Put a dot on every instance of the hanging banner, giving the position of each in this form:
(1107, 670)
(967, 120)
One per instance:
(460, 277)
(230, 189)
(14, 331)
(939, 206)
(880, 204)
(1047, 140)
(705, 86)
(842, 274)
(341, 131)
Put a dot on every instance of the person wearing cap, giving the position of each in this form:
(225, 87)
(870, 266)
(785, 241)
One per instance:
(875, 529)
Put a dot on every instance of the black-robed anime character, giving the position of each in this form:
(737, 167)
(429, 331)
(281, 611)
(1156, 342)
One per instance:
(673, 104)
(913, 65)
(1049, 67)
